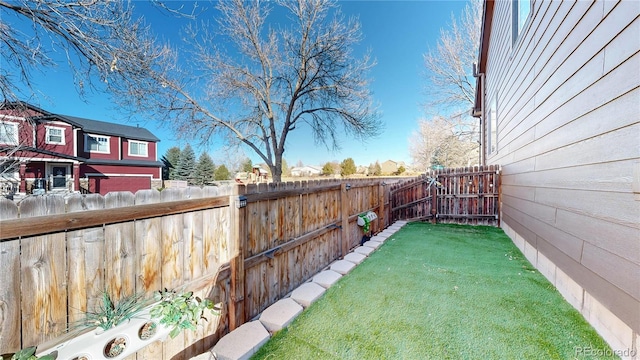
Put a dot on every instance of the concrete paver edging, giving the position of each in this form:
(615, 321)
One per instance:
(244, 341)
(326, 278)
(241, 343)
(280, 314)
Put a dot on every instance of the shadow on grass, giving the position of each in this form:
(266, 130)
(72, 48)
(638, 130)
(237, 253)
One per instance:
(439, 292)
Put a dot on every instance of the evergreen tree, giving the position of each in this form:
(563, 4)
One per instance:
(348, 167)
(222, 173)
(170, 162)
(377, 169)
(247, 165)
(327, 169)
(286, 170)
(204, 170)
(186, 165)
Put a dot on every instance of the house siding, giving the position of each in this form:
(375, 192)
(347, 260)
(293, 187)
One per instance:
(41, 138)
(389, 167)
(567, 95)
(112, 170)
(115, 170)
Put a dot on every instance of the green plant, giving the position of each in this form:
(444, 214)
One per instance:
(179, 311)
(29, 354)
(110, 314)
(365, 227)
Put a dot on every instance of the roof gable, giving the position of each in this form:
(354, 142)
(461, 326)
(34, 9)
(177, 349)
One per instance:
(487, 22)
(87, 125)
(23, 109)
(106, 128)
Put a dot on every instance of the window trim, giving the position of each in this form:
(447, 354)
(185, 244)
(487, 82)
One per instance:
(62, 135)
(517, 24)
(146, 147)
(14, 125)
(88, 149)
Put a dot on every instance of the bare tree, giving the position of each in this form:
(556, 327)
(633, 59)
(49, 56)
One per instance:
(103, 43)
(449, 65)
(450, 73)
(437, 142)
(255, 83)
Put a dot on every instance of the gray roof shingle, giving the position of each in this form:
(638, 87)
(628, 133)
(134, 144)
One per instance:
(88, 125)
(106, 128)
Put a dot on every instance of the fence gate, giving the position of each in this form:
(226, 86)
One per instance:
(468, 195)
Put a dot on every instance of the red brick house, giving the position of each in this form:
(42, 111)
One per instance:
(45, 152)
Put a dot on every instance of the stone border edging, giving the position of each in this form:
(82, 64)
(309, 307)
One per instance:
(245, 341)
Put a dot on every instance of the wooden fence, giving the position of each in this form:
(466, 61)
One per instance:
(463, 196)
(58, 254)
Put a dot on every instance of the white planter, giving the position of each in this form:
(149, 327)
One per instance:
(370, 216)
(128, 337)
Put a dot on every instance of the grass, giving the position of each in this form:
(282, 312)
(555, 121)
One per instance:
(439, 292)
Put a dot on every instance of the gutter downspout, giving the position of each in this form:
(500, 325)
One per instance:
(482, 122)
(481, 115)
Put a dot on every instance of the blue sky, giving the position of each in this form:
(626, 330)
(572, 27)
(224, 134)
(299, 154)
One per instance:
(398, 33)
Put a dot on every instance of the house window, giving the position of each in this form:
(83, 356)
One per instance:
(8, 133)
(55, 136)
(96, 143)
(521, 10)
(137, 148)
(492, 128)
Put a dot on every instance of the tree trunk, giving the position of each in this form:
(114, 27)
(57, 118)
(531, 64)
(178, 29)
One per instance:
(276, 169)
(276, 174)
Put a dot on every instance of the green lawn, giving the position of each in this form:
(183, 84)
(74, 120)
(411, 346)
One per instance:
(439, 292)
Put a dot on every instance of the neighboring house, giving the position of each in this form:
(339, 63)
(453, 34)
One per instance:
(558, 94)
(257, 175)
(306, 171)
(389, 167)
(45, 152)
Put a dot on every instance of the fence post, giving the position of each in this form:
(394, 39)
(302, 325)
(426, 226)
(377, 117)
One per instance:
(344, 214)
(382, 218)
(434, 202)
(237, 217)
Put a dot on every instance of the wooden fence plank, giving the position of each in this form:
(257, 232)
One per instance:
(344, 214)
(85, 256)
(193, 238)
(273, 213)
(148, 233)
(173, 261)
(239, 291)
(43, 276)
(120, 251)
(216, 252)
(193, 229)
(10, 301)
(215, 235)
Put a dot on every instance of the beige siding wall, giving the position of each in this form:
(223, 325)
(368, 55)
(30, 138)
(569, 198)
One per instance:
(568, 108)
